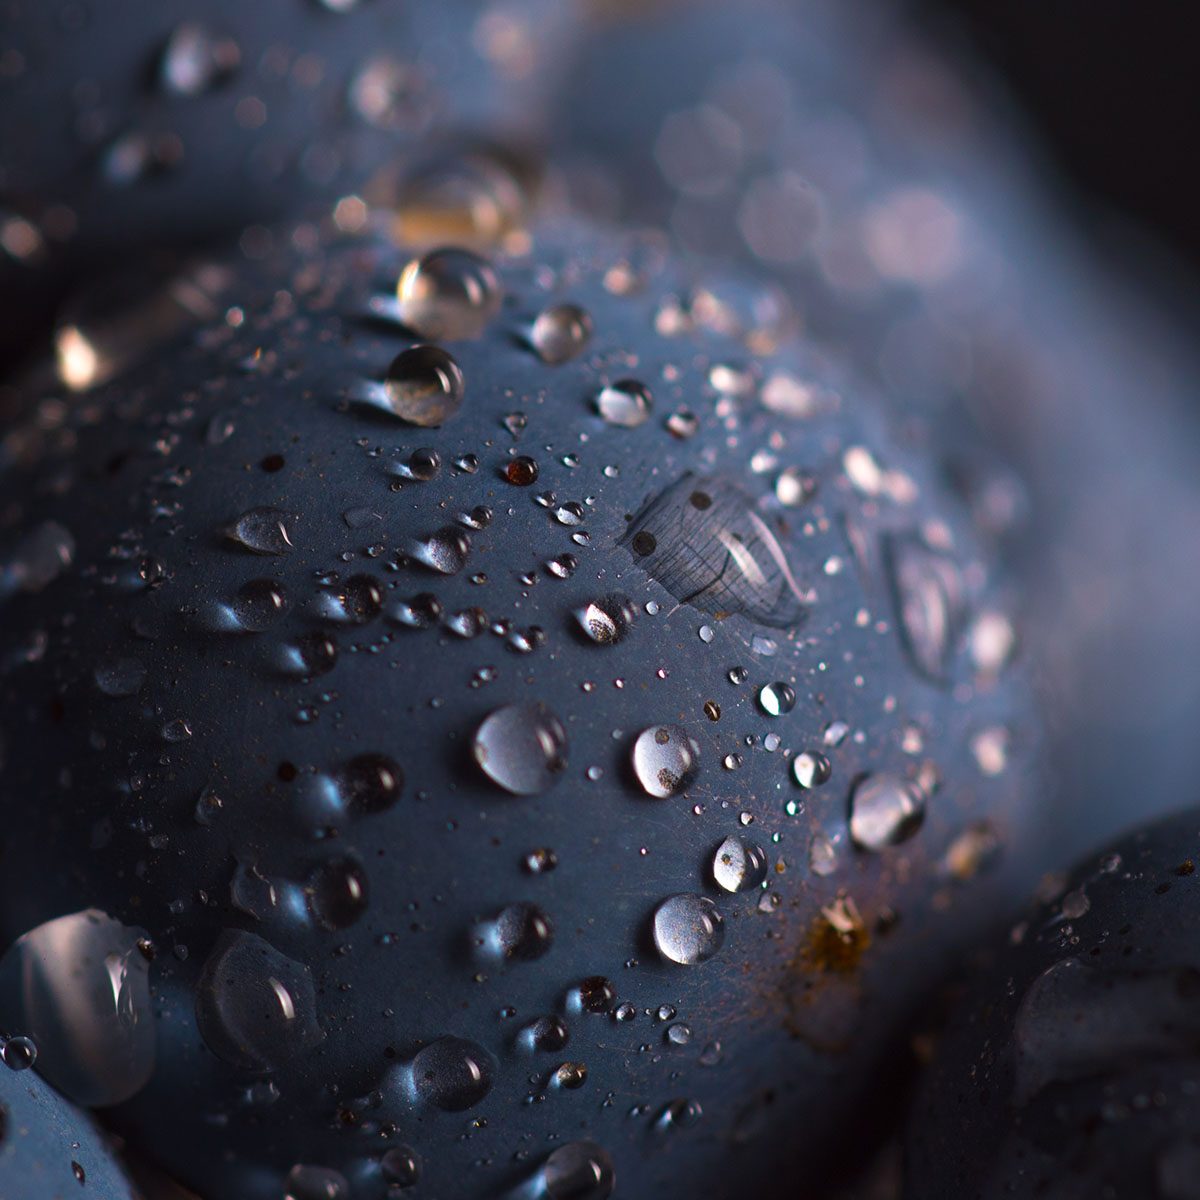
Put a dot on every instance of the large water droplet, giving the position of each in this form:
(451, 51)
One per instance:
(579, 1171)
(255, 1007)
(453, 1074)
(928, 593)
(884, 811)
(522, 747)
(738, 865)
(704, 541)
(79, 986)
(665, 760)
(447, 295)
(424, 386)
(262, 531)
(626, 403)
(400, 1168)
(688, 929)
(560, 332)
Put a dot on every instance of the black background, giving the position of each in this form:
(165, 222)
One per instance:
(1113, 89)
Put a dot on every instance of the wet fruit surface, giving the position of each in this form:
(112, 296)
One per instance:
(522, 798)
(1070, 1066)
(48, 1148)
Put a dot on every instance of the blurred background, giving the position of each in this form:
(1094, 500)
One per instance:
(1113, 93)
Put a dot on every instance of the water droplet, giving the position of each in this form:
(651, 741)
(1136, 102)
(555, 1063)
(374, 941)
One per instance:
(337, 893)
(578, 1171)
(194, 60)
(521, 471)
(776, 699)
(258, 604)
(424, 386)
(449, 294)
(822, 855)
(120, 676)
(704, 541)
(665, 760)
(262, 531)
(521, 747)
(679, 1034)
(520, 931)
(312, 654)
(399, 1167)
(688, 929)
(547, 1034)
(560, 332)
(255, 1007)
(606, 620)
(306, 1182)
(18, 1053)
(679, 1114)
(738, 866)
(370, 783)
(795, 487)
(625, 403)
(811, 770)
(571, 1075)
(884, 811)
(79, 986)
(445, 551)
(596, 994)
(539, 861)
(37, 559)
(453, 1074)
(928, 594)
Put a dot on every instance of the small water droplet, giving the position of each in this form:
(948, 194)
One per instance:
(884, 811)
(120, 676)
(811, 770)
(560, 333)
(370, 783)
(521, 471)
(337, 893)
(688, 929)
(453, 1074)
(625, 403)
(194, 60)
(578, 1171)
(738, 865)
(777, 699)
(521, 931)
(606, 620)
(665, 760)
(262, 531)
(305, 1182)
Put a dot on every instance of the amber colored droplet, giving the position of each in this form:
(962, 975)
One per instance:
(521, 471)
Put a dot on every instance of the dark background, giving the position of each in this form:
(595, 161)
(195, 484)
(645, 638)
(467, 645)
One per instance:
(1113, 88)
